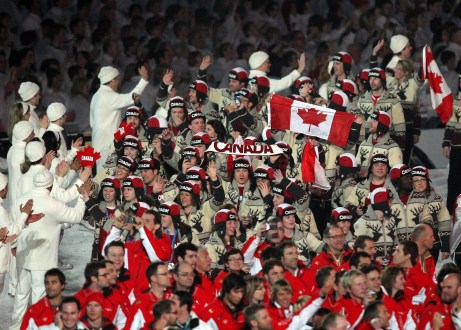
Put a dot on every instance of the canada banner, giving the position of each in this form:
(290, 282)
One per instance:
(309, 119)
(441, 95)
(245, 150)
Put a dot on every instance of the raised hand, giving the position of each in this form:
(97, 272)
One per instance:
(278, 175)
(27, 208)
(144, 73)
(168, 77)
(378, 46)
(159, 184)
(49, 158)
(206, 62)
(212, 170)
(85, 173)
(77, 143)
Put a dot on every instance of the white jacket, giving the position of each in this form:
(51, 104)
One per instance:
(63, 153)
(277, 85)
(105, 114)
(15, 158)
(13, 229)
(37, 246)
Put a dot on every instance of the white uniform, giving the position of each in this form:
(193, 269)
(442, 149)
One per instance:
(37, 247)
(105, 116)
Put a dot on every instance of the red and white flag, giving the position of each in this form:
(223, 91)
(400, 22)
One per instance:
(441, 96)
(311, 169)
(309, 119)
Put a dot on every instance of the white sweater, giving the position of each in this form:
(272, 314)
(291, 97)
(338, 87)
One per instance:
(37, 246)
(277, 85)
(15, 158)
(105, 114)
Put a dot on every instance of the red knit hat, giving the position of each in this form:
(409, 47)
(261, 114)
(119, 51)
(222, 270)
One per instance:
(110, 182)
(347, 86)
(242, 163)
(132, 141)
(239, 74)
(200, 138)
(382, 117)
(224, 215)
(127, 162)
(196, 115)
(346, 160)
(196, 173)
(139, 208)
(341, 214)
(379, 158)
(96, 297)
(420, 171)
(170, 208)
(301, 81)
(380, 195)
(264, 172)
(399, 170)
(177, 102)
(285, 147)
(133, 182)
(190, 187)
(200, 86)
(285, 210)
(148, 164)
(133, 111)
(339, 101)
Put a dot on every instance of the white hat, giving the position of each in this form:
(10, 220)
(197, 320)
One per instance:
(22, 130)
(27, 90)
(3, 181)
(257, 58)
(43, 179)
(55, 111)
(107, 73)
(398, 43)
(35, 151)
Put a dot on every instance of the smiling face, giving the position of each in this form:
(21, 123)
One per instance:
(116, 254)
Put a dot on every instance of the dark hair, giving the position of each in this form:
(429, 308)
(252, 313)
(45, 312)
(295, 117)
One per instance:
(360, 242)
(270, 253)
(355, 259)
(152, 269)
(284, 245)
(410, 247)
(56, 272)
(70, 300)
(162, 307)
(270, 264)
(185, 298)
(181, 249)
(322, 275)
(50, 141)
(232, 282)
(249, 313)
(369, 268)
(372, 310)
(114, 243)
(326, 233)
(231, 252)
(92, 270)
(219, 129)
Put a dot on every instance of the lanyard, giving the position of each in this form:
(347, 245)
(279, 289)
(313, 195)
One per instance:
(173, 243)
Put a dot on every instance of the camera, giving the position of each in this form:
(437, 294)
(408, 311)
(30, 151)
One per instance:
(238, 101)
(128, 220)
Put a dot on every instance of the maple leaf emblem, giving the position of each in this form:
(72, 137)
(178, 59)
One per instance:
(435, 81)
(312, 116)
(88, 156)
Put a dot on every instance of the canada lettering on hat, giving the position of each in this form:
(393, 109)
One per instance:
(241, 165)
(289, 211)
(418, 172)
(345, 217)
(373, 73)
(405, 171)
(379, 160)
(261, 174)
(128, 143)
(277, 190)
(107, 183)
(189, 153)
(164, 210)
(176, 104)
(193, 176)
(185, 187)
(131, 113)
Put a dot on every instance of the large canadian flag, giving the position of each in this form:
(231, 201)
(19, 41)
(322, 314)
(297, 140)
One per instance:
(441, 96)
(309, 119)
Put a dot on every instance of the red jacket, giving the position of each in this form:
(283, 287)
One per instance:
(428, 315)
(141, 312)
(280, 319)
(417, 280)
(219, 313)
(325, 258)
(350, 308)
(41, 313)
(111, 303)
(206, 284)
(299, 288)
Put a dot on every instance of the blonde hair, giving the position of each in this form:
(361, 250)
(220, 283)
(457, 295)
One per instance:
(349, 277)
(407, 68)
(252, 284)
(281, 285)
(15, 117)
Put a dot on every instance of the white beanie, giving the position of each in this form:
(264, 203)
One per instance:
(27, 90)
(107, 73)
(22, 130)
(256, 59)
(35, 151)
(55, 111)
(3, 181)
(398, 43)
(43, 179)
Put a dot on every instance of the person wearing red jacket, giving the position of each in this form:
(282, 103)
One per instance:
(296, 273)
(430, 319)
(141, 312)
(419, 286)
(43, 311)
(226, 311)
(423, 236)
(97, 280)
(271, 235)
(94, 316)
(376, 316)
(335, 253)
(352, 304)
(203, 268)
(184, 280)
(233, 263)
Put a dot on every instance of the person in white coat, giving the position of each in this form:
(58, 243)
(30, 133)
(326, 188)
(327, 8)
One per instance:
(9, 230)
(30, 94)
(106, 106)
(23, 132)
(260, 66)
(37, 246)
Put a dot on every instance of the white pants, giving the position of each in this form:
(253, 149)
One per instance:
(13, 277)
(31, 284)
(2, 283)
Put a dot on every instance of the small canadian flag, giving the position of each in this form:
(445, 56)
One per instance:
(441, 96)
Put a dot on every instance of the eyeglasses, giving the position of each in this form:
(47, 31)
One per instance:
(336, 236)
(235, 259)
(104, 275)
(186, 274)
(175, 312)
(161, 274)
